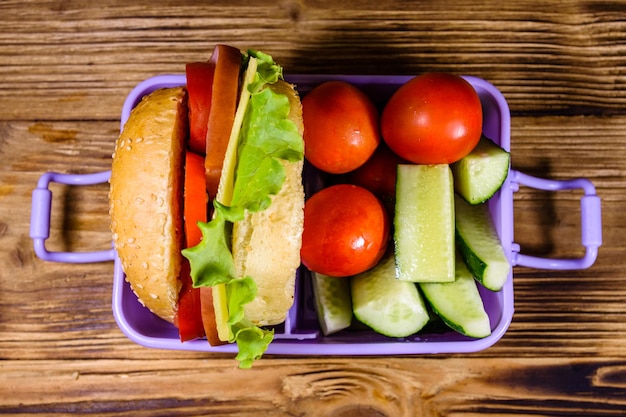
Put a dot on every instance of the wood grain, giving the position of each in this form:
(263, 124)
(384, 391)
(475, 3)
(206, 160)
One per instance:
(66, 68)
(88, 57)
(368, 387)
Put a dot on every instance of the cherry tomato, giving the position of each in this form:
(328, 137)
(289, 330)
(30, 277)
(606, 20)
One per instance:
(346, 230)
(378, 174)
(342, 127)
(435, 118)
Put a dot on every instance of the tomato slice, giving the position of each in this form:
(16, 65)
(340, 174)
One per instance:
(211, 85)
(208, 316)
(199, 88)
(195, 198)
(224, 97)
(189, 315)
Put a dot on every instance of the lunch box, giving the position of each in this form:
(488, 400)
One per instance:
(300, 334)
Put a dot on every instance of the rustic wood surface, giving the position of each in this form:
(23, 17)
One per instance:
(65, 69)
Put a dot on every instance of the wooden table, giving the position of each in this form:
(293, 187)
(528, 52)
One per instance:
(65, 70)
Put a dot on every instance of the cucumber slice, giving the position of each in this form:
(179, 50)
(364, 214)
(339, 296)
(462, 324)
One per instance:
(390, 307)
(424, 223)
(332, 301)
(459, 303)
(479, 175)
(480, 245)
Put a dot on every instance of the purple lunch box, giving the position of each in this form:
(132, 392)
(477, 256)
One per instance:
(300, 334)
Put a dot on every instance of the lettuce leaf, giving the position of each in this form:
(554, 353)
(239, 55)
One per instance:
(268, 72)
(211, 260)
(267, 136)
(252, 341)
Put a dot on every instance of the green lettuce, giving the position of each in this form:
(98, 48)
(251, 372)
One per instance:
(266, 138)
(267, 72)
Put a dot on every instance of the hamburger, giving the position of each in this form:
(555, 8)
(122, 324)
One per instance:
(206, 200)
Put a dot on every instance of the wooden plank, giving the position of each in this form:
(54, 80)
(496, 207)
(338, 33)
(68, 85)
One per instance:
(322, 386)
(83, 59)
(65, 71)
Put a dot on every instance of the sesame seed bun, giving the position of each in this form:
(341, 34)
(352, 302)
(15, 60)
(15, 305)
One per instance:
(266, 244)
(145, 198)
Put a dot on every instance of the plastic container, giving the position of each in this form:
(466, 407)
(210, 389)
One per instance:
(300, 334)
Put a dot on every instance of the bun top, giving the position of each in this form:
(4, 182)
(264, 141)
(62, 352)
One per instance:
(145, 198)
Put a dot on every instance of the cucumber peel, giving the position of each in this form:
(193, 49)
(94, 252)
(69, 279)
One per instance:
(459, 303)
(480, 245)
(389, 306)
(333, 302)
(480, 174)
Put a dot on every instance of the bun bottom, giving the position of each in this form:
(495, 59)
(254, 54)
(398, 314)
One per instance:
(266, 245)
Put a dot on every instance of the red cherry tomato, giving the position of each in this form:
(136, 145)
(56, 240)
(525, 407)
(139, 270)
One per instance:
(342, 127)
(378, 174)
(346, 230)
(435, 118)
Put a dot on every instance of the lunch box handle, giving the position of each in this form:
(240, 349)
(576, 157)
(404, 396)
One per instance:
(591, 222)
(40, 217)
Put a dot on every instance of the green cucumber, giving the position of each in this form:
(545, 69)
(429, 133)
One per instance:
(424, 223)
(459, 303)
(480, 174)
(390, 307)
(332, 301)
(480, 245)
